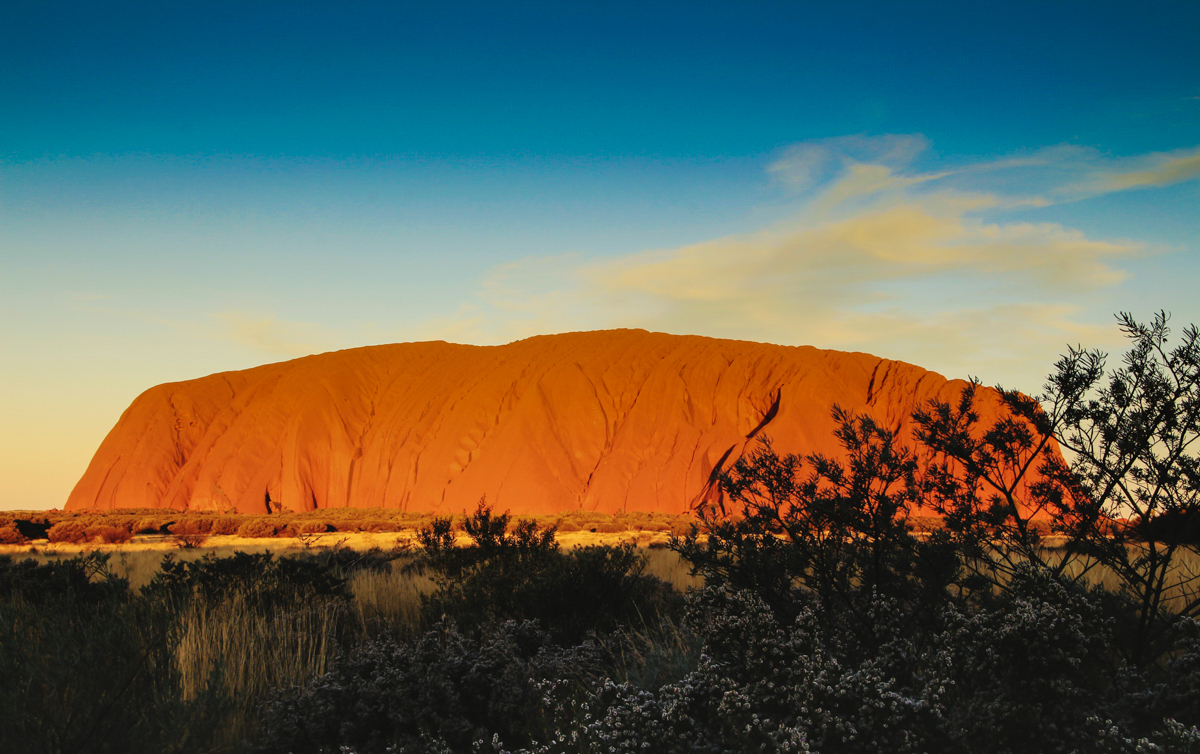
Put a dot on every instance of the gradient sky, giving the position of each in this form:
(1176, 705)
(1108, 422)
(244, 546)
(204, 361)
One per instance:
(190, 188)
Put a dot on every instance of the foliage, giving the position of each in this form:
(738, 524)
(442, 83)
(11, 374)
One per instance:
(67, 531)
(1027, 675)
(518, 573)
(256, 528)
(89, 666)
(445, 687)
(11, 535)
(1136, 441)
(825, 625)
(833, 529)
(263, 580)
(1133, 436)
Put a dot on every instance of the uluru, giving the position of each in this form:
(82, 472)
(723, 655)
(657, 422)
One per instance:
(611, 421)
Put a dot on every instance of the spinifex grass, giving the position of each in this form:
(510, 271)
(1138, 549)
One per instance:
(668, 566)
(1181, 582)
(250, 653)
(216, 660)
(388, 599)
(234, 652)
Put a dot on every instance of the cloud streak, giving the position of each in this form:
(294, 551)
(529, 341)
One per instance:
(1162, 170)
(269, 335)
(879, 256)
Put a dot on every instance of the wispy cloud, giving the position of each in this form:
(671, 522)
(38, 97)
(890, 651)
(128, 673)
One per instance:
(1160, 170)
(879, 256)
(1086, 173)
(805, 165)
(269, 335)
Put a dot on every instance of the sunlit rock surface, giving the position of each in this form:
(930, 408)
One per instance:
(620, 420)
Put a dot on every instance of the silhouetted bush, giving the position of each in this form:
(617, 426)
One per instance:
(519, 573)
(445, 689)
(787, 526)
(1132, 434)
(88, 666)
(261, 578)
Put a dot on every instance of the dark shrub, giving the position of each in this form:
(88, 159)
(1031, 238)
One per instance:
(1027, 674)
(32, 529)
(522, 575)
(831, 526)
(89, 666)
(445, 687)
(261, 577)
(85, 578)
(1031, 674)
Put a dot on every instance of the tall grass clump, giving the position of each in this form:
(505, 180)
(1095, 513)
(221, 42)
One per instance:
(391, 599)
(90, 667)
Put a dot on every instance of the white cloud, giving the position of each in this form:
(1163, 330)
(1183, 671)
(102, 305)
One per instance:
(805, 165)
(904, 264)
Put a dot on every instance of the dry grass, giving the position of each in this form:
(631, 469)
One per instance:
(249, 653)
(668, 566)
(1182, 582)
(388, 598)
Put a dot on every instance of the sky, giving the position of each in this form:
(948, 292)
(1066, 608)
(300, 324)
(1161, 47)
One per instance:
(188, 188)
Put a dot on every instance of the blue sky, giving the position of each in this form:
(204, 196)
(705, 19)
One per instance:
(189, 188)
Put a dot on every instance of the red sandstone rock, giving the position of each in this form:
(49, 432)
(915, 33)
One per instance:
(608, 421)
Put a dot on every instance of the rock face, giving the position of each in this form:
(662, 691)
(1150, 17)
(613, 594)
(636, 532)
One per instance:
(608, 421)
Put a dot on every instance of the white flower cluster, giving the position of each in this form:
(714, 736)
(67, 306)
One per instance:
(1017, 678)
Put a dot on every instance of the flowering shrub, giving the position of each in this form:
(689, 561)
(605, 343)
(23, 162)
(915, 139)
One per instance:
(445, 686)
(1025, 676)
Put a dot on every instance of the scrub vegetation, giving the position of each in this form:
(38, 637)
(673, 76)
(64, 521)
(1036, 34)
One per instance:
(1053, 608)
(192, 529)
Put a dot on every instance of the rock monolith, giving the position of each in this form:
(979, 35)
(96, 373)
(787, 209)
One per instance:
(619, 420)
